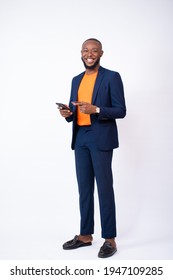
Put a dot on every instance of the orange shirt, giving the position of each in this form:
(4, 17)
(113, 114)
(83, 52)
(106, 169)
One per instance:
(85, 93)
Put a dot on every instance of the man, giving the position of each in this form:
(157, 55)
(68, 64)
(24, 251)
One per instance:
(97, 99)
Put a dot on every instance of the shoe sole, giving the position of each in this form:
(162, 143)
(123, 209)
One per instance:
(79, 246)
(108, 255)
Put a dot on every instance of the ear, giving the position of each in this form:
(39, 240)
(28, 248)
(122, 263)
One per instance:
(101, 53)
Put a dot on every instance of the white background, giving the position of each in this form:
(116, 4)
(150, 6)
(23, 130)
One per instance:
(40, 43)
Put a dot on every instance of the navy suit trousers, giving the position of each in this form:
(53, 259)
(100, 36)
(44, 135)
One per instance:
(91, 164)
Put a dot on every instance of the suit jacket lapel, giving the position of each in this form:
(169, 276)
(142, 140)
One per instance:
(96, 87)
(97, 83)
(77, 83)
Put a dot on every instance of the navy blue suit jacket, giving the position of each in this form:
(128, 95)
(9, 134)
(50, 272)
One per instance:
(108, 95)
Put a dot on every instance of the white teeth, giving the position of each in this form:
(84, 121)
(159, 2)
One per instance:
(90, 60)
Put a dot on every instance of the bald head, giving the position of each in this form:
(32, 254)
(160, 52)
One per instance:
(95, 40)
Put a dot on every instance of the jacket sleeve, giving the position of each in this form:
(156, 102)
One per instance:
(117, 107)
(70, 119)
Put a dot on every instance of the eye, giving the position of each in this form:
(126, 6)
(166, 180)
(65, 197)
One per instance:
(94, 50)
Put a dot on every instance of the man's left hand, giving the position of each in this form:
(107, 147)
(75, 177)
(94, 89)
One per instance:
(86, 108)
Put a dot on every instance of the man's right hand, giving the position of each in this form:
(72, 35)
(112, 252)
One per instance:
(65, 113)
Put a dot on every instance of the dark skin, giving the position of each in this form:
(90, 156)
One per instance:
(90, 53)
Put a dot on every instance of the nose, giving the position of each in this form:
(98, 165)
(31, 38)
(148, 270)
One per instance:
(89, 52)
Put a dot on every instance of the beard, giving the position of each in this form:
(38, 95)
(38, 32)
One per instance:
(92, 67)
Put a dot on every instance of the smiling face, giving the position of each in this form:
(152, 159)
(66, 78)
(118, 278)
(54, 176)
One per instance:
(91, 53)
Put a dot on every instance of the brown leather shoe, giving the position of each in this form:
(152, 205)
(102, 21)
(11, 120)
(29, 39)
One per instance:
(107, 250)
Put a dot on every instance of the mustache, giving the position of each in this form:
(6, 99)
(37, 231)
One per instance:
(92, 66)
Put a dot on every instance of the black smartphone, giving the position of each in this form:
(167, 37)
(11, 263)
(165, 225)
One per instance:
(62, 106)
